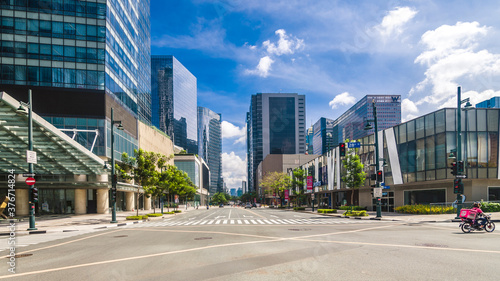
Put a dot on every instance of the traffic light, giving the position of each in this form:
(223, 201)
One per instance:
(373, 177)
(342, 149)
(460, 166)
(34, 194)
(114, 180)
(454, 168)
(458, 186)
(380, 177)
(113, 193)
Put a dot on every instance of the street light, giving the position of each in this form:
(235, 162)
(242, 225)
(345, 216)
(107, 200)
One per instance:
(22, 112)
(377, 158)
(113, 178)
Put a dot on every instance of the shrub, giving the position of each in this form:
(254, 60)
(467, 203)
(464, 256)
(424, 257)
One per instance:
(168, 213)
(355, 208)
(281, 207)
(425, 209)
(177, 211)
(155, 215)
(326, 211)
(299, 208)
(356, 214)
(490, 207)
(144, 217)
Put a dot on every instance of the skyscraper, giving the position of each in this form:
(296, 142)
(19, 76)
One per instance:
(322, 135)
(80, 58)
(174, 101)
(276, 125)
(210, 145)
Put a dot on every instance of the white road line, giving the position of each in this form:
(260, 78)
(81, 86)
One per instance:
(259, 221)
(268, 222)
(210, 222)
(224, 222)
(229, 214)
(203, 222)
(276, 222)
(196, 222)
(217, 222)
(232, 222)
(239, 222)
(253, 221)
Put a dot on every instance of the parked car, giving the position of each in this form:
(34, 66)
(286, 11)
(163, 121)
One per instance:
(248, 206)
(254, 205)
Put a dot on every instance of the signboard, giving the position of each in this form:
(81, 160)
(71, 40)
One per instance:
(28, 175)
(386, 187)
(255, 200)
(286, 194)
(309, 183)
(353, 145)
(312, 196)
(461, 176)
(318, 183)
(30, 181)
(377, 192)
(176, 198)
(31, 156)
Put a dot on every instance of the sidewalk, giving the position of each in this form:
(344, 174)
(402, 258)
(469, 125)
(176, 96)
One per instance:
(392, 216)
(70, 223)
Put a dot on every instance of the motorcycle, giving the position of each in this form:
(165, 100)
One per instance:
(468, 225)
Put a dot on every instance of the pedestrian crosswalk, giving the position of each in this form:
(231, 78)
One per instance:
(222, 222)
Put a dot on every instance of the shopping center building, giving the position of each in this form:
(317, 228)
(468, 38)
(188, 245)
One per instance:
(418, 156)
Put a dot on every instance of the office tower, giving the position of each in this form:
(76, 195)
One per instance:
(309, 141)
(322, 135)
(174, 101)
(350, 125)
(210, 145)
(494, 102)
(80, 58)
(276, 125)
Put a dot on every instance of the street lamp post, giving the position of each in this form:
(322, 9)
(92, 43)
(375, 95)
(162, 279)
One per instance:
(458, 175)
(377, 158)
(113, 176)
(22, 111)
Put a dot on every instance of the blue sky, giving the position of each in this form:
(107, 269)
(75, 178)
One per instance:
(334, 52)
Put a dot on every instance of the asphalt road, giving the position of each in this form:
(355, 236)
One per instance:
(263, 244)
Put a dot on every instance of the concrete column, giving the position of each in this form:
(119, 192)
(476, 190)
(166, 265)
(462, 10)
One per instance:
(147, 203)
(80, 201)
(102, 201)
(129, 201)
(22, 199)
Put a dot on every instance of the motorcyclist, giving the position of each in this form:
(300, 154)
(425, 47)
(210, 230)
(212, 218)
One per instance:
(479, 222)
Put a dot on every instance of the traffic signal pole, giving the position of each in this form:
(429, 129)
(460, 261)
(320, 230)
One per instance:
(30, 165)
(459, 147)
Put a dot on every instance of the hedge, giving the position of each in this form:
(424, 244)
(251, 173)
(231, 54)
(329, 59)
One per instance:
(326, 211)
(299, 208)
(490, 207)
(355, 208)
(155, 215)
(177, 211)
(355, 214)
(168, 213)
(420, 209)
(144, 217)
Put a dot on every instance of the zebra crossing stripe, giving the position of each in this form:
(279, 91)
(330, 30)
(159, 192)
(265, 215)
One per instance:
(253, 222)
(197, 222)
(203, 222)
(210, 222)
(239, 222)
(224, 222)
(246, 221)
(259, 221)
(268, 222)
(232, 221)
(218, 221)
(289, 221)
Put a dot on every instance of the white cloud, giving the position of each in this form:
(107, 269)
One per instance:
(408, 109)
(393, 23)
(343, 99)
(234, 170)
(286, 45)
(451, 60)
(231, 131)
(262, 68)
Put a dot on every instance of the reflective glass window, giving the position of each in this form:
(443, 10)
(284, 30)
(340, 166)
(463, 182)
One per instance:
(410, 131)
(69, 29)
(420, 155)
(33, 74)
(20, 48)
(492, 150)
(57, 27)
(492, 120)
(450, 120)
(57, 75)
(412, 154)
(45, 74)
(81, 77)
(441, 151)
(57, 50)
(69, 76)
(69, 51)
(20, 72)
(8, 47)
(45, 26)
(57, 5)
(440, 121)
(91, 30)
(429, 124)
(8, 72)
(419, 127)
(33, 25)
(471, 120)
(7, 23)
(481, 119)
(45, 49)
(20, 24)
(430, 153)
(33, 48)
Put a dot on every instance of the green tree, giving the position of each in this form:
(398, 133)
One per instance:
(353, 174)
(219, 198)
(248, 197)
(276, 182)
(298, 180)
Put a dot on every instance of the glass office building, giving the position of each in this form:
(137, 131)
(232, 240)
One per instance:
(276, 125)
(350, 125)
(174, 101)
(210, 145)
(80, 58)
(491, 103)
(322, 136)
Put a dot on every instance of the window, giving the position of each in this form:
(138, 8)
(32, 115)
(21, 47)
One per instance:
(33, 26)
(69, 51)
(33, 73)
(45, 27)
(20, 24)
(57, 28)
(20, 72)
(7, 72)
(45, 49)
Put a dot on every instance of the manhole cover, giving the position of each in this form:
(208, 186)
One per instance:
(299, 229)
(121, 236)
(21, 256)
(202, 238)
(432, 245)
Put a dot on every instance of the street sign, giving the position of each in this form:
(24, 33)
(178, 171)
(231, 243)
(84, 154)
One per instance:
(461, 176)
(30, 181)
(353, 144)
(31, 156)
(377, 192)
(386, 187)
(28, 175)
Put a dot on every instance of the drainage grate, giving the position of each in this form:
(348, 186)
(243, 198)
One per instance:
(21, 256)
(120, 236)
(202, 238)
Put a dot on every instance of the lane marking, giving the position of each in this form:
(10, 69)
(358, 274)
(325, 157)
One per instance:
(229, 214)
(255, 213)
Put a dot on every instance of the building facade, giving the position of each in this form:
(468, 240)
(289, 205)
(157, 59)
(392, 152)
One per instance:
(210, 145)
(174, 101)
(309, 141)
(198, 172)
(350, 125)
(276, 125)
(322, 137)
(418, 156)
(491, 103)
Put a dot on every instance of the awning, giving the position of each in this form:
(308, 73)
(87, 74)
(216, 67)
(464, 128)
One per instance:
(56, 152)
